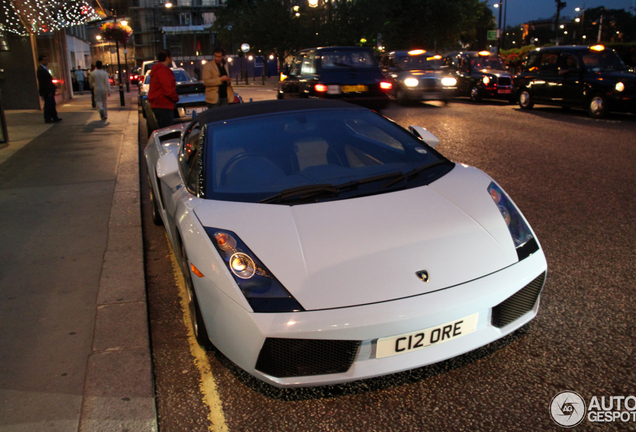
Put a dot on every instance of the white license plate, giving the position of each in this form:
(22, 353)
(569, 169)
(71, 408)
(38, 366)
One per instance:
(197, 110)
(504, 91)
(418, 340)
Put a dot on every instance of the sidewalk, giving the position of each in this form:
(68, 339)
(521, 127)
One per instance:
(74, 345)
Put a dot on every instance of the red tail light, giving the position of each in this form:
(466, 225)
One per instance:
(320, 88)
(386, 85)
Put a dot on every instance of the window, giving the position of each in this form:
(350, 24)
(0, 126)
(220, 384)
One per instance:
(190, 159)
(548, 63)
(185, 19)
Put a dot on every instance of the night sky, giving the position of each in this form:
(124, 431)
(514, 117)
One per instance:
(521, 11)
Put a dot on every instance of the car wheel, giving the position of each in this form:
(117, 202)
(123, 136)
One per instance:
(525, 100)
(156, 214)
(597, 106)
(198, 326)
(475, 96)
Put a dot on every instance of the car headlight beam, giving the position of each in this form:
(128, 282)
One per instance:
(411, 82)
(449, 82)
(260, 287)
(619, 87)
(486, 80)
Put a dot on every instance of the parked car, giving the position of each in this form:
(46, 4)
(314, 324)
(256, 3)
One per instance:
(323, 243)
(417, 75)
(593, 78)
(180, 76)
(135, 76)
(480, 75)
(348, 73)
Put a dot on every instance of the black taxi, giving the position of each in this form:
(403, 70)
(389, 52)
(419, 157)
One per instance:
(418, 75)
(480, 75)
(593, 78)
(351, 74)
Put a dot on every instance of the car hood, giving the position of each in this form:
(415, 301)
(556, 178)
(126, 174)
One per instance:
(492, 72)
(367, 250)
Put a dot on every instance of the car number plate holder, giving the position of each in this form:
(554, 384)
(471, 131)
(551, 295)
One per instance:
(354, 88)
(197, 110)
(504, 91)
(417, 340)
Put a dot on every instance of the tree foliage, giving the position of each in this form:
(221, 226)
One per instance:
(275, 26)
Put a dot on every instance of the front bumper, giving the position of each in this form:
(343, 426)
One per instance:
(242, 335)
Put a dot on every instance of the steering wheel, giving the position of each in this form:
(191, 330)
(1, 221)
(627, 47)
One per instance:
(231, 161)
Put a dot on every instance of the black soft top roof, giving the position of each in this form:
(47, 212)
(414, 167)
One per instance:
(250, 109)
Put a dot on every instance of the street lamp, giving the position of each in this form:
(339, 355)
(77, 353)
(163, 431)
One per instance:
(125, 23)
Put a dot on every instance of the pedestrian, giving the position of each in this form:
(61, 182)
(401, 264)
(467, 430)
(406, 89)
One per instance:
(47, 90)
(79, 77)
(218, 84)
(162, 94)
(101, 87)
(89, 80)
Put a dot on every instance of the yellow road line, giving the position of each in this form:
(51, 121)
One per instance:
(211, 396)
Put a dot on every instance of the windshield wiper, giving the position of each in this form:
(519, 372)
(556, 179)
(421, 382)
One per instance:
(309, 191)
(302, 192)
(413, 173)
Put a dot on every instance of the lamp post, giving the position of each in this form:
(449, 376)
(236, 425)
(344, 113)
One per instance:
(125, 23)
(121, 86)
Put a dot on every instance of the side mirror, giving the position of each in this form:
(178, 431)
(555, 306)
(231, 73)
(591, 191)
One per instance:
(168, 170)
(425, 135)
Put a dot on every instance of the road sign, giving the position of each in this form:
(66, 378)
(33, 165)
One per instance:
(492, 35)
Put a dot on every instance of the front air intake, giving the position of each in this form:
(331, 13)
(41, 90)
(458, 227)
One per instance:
(283, 358)
(518, 304)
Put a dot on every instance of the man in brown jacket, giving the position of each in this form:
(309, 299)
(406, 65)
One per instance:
(218, 84)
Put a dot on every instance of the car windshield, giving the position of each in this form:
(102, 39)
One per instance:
(420, 62)
(605, 61)
(348, 59)
(487, 63)
(180, 75)
(329, 154)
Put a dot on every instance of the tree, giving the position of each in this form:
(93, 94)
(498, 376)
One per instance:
(266, 25)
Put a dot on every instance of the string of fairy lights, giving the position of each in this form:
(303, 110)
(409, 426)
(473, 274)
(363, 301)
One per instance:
(24, 17)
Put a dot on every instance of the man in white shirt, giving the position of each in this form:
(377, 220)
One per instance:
(101, 87)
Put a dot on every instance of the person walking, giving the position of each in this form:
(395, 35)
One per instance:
(162, 94)
(79, 77)
(89, 80)
(47, 90)
(101, 87)
(218, 84)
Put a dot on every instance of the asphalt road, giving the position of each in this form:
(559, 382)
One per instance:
(573, 178)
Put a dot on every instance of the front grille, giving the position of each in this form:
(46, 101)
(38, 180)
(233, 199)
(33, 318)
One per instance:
(504, 81)
(284, 358)
(429, 83)
(518, 304)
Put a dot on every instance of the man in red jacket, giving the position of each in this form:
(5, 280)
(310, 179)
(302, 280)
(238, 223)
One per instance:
(162, 94)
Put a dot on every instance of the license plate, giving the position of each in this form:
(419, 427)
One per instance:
(504, 91)
(197, 110)
(354, 88)
(417, 340)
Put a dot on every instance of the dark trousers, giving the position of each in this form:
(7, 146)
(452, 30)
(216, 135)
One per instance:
(165, 117)
(50, 112)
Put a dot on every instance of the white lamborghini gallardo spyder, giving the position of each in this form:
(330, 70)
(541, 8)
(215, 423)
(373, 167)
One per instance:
(322, 243)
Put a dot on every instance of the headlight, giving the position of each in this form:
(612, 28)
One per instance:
(260, 287)
(449, 82)
(486, 80)
(620, 87)
(522, 237)
(411, 82)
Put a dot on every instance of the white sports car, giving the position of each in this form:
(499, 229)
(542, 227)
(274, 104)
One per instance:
(322, 243)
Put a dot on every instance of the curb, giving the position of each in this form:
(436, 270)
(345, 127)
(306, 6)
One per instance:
(119, 392)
